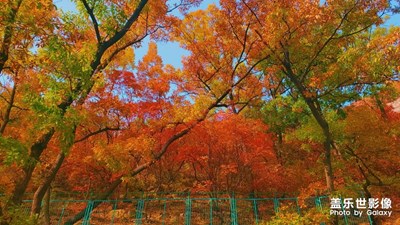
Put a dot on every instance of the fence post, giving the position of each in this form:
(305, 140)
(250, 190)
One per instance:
(62, 212)
(113, 213)
(344, 214)
(164, 211)
(211, 211)
(298, 207)
(370, 220)
(234, 219)
(276, 205)
(255, 208)
(368, 216)
(139, 212)
(318, 203)
(188, 211)
(88, 212)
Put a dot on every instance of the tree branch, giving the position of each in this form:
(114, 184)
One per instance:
(8, 110)
(119, 34)
(7, 35)
(331, 37)
(94, 20)
(96, 132)
(351, 152)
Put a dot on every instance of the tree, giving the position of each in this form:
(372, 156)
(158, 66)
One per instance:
(369, 148)
(310, 64)
(80, 48)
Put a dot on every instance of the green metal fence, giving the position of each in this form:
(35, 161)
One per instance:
(185, 210)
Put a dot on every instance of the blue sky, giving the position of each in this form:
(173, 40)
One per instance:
(171, 53)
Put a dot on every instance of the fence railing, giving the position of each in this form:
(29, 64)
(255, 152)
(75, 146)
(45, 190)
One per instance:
(187, 210)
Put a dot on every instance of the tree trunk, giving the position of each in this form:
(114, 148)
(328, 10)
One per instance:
(7, 113)
(41, 190)
(20, 187)
(278, 148)
(328, 164)
(8, 33)
(45, 216)
(317, 113)
(34, 155)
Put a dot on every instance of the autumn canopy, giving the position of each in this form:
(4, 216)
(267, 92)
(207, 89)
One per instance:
(294, 98)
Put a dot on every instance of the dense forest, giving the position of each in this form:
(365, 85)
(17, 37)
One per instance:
(279, 97)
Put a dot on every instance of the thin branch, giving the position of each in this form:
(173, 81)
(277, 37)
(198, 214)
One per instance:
(94, 20)
(240, 59)
(109, 59)
(181, 4)
(350, 151)
(331, 37)
(116, 37)
(269, 47)
(245, 104)
(126, 45)
(327, 92)
(14, 106)
(96, 132)
(252, 12)
(119, 34)
(251, 69)
(8, 110)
